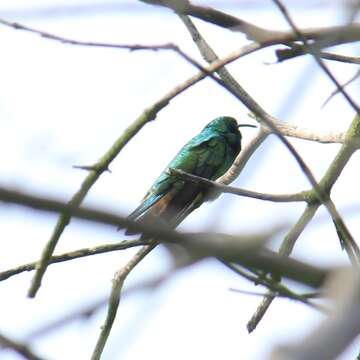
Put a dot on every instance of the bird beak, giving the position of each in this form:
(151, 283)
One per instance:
(247, 125)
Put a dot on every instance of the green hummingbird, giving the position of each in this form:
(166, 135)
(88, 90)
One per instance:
(209, 155)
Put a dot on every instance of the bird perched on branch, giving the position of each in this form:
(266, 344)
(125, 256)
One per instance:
(209, 155)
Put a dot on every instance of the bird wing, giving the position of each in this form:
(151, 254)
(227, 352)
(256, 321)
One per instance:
(171, 198)
(211, 155)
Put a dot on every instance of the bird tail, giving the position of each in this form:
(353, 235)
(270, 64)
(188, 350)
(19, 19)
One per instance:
(150, 219)
(142, 214)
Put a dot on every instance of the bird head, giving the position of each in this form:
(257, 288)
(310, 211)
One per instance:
(229, 128)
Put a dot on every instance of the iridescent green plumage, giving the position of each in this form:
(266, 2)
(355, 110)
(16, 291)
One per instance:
(209, 155)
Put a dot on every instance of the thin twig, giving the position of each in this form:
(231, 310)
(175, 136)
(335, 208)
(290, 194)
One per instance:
(254, 293)
(334, 35)
(267, 120)
(103, 164)
(276, 289)
(115, 296)
(204, 244)
(18, 347)
(65, 40)
(298, 50)
(340, 58)
(308, 47)
(234, 171)
(349, 243)
(325, 36)
(286, 129)
(335, 92)
(200, 244)
(303, 298)
(90, 309)
(101, 249)
(218, 187)
(285, 250)
(327, 182)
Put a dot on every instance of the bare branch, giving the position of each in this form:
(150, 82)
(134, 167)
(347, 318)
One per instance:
(346, 239)
(327, 182)
(101, 249)
(103, 164)
(298, 50)
(268, 121)
(285, 250)
(339, 58)
(305, 134)
(87, 213)
(218, 187)
(114, 300)
(330, 36)
(64, 40)
(353, 78)
(18, 347)
(276, 289)
(201, 244)
(89, 310)
(314, 52)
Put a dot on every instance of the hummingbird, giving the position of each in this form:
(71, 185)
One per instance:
(209, 155)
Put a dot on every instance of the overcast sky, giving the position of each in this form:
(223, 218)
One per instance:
(62, 105)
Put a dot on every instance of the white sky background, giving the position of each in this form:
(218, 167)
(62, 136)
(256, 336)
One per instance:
(62, 105)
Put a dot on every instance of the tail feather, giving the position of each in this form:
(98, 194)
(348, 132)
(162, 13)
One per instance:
(154, 210)
(146, 204)
(149, 210)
